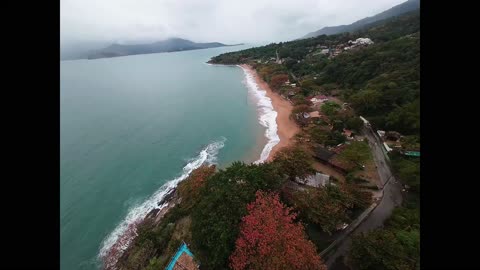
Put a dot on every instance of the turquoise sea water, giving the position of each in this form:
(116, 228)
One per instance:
(131, 124)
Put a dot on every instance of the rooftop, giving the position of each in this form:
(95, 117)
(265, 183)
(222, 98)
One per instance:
(182, 260)
(314, 114)
(317, 180)
(323, 154)
(347, 132)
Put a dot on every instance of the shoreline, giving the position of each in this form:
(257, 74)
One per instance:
(117, 243)
(285, 130)
(286, 127)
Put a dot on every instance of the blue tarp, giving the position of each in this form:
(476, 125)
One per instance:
(183, 248)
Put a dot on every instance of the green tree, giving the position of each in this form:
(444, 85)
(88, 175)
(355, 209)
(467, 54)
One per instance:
(404, 218)
(405, 119)
(355, 153)
(408, 170)
(354, 123)
(216, 218)
(330, 108)
(293, 162)
(325, 137)
(319, 135)
(396, 246)
(366, 101)
(386, 249)
(329, 206)
(335, 138)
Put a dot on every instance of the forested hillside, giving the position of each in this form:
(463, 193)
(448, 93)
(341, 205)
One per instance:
(381, 81)
(250, 216)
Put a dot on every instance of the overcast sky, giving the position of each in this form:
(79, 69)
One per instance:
(227, 21)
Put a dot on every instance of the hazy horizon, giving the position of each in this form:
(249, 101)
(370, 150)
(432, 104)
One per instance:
(94, 23)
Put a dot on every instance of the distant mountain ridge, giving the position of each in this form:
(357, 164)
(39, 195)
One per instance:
(402, 8)
(168, 45)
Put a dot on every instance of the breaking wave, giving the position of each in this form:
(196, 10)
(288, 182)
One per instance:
(267, 115)
(121, 237)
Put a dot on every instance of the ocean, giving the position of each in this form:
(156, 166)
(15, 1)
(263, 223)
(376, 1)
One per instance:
(132, 127)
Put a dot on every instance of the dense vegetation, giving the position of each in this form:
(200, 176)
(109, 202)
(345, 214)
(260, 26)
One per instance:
(214, 205)
(155, 244)
(221, 212)
(330, 206)
(365, 22)
(381, 81)
(216, 218)
(397, 246)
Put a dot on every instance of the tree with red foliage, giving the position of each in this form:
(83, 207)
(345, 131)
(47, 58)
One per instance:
(278, 80)
(270, 239)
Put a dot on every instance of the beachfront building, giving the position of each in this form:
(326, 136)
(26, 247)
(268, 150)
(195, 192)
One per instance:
(183, 260)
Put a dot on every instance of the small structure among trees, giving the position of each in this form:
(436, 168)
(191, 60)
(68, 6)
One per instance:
(323, 154)
(183, 260)
(316, 180)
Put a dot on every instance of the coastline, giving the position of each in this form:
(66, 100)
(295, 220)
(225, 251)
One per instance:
(117, 243)
(280, 132)
(286, 128)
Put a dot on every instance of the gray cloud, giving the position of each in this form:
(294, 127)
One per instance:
(228, 21)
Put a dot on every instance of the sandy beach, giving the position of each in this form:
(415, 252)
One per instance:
(287, 128)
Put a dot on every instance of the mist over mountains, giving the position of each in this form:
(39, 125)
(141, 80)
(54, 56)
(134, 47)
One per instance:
(397, 10)
(116, 50)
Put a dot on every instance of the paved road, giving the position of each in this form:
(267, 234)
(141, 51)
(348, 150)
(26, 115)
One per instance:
(392, 197)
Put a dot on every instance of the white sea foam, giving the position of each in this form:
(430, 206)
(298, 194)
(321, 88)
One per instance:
(207, 155)
(267, 115)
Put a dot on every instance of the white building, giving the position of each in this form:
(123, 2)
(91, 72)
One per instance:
(318, 99)
(365, 122)
(387, 147)
(317, 180)
(361, 41)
